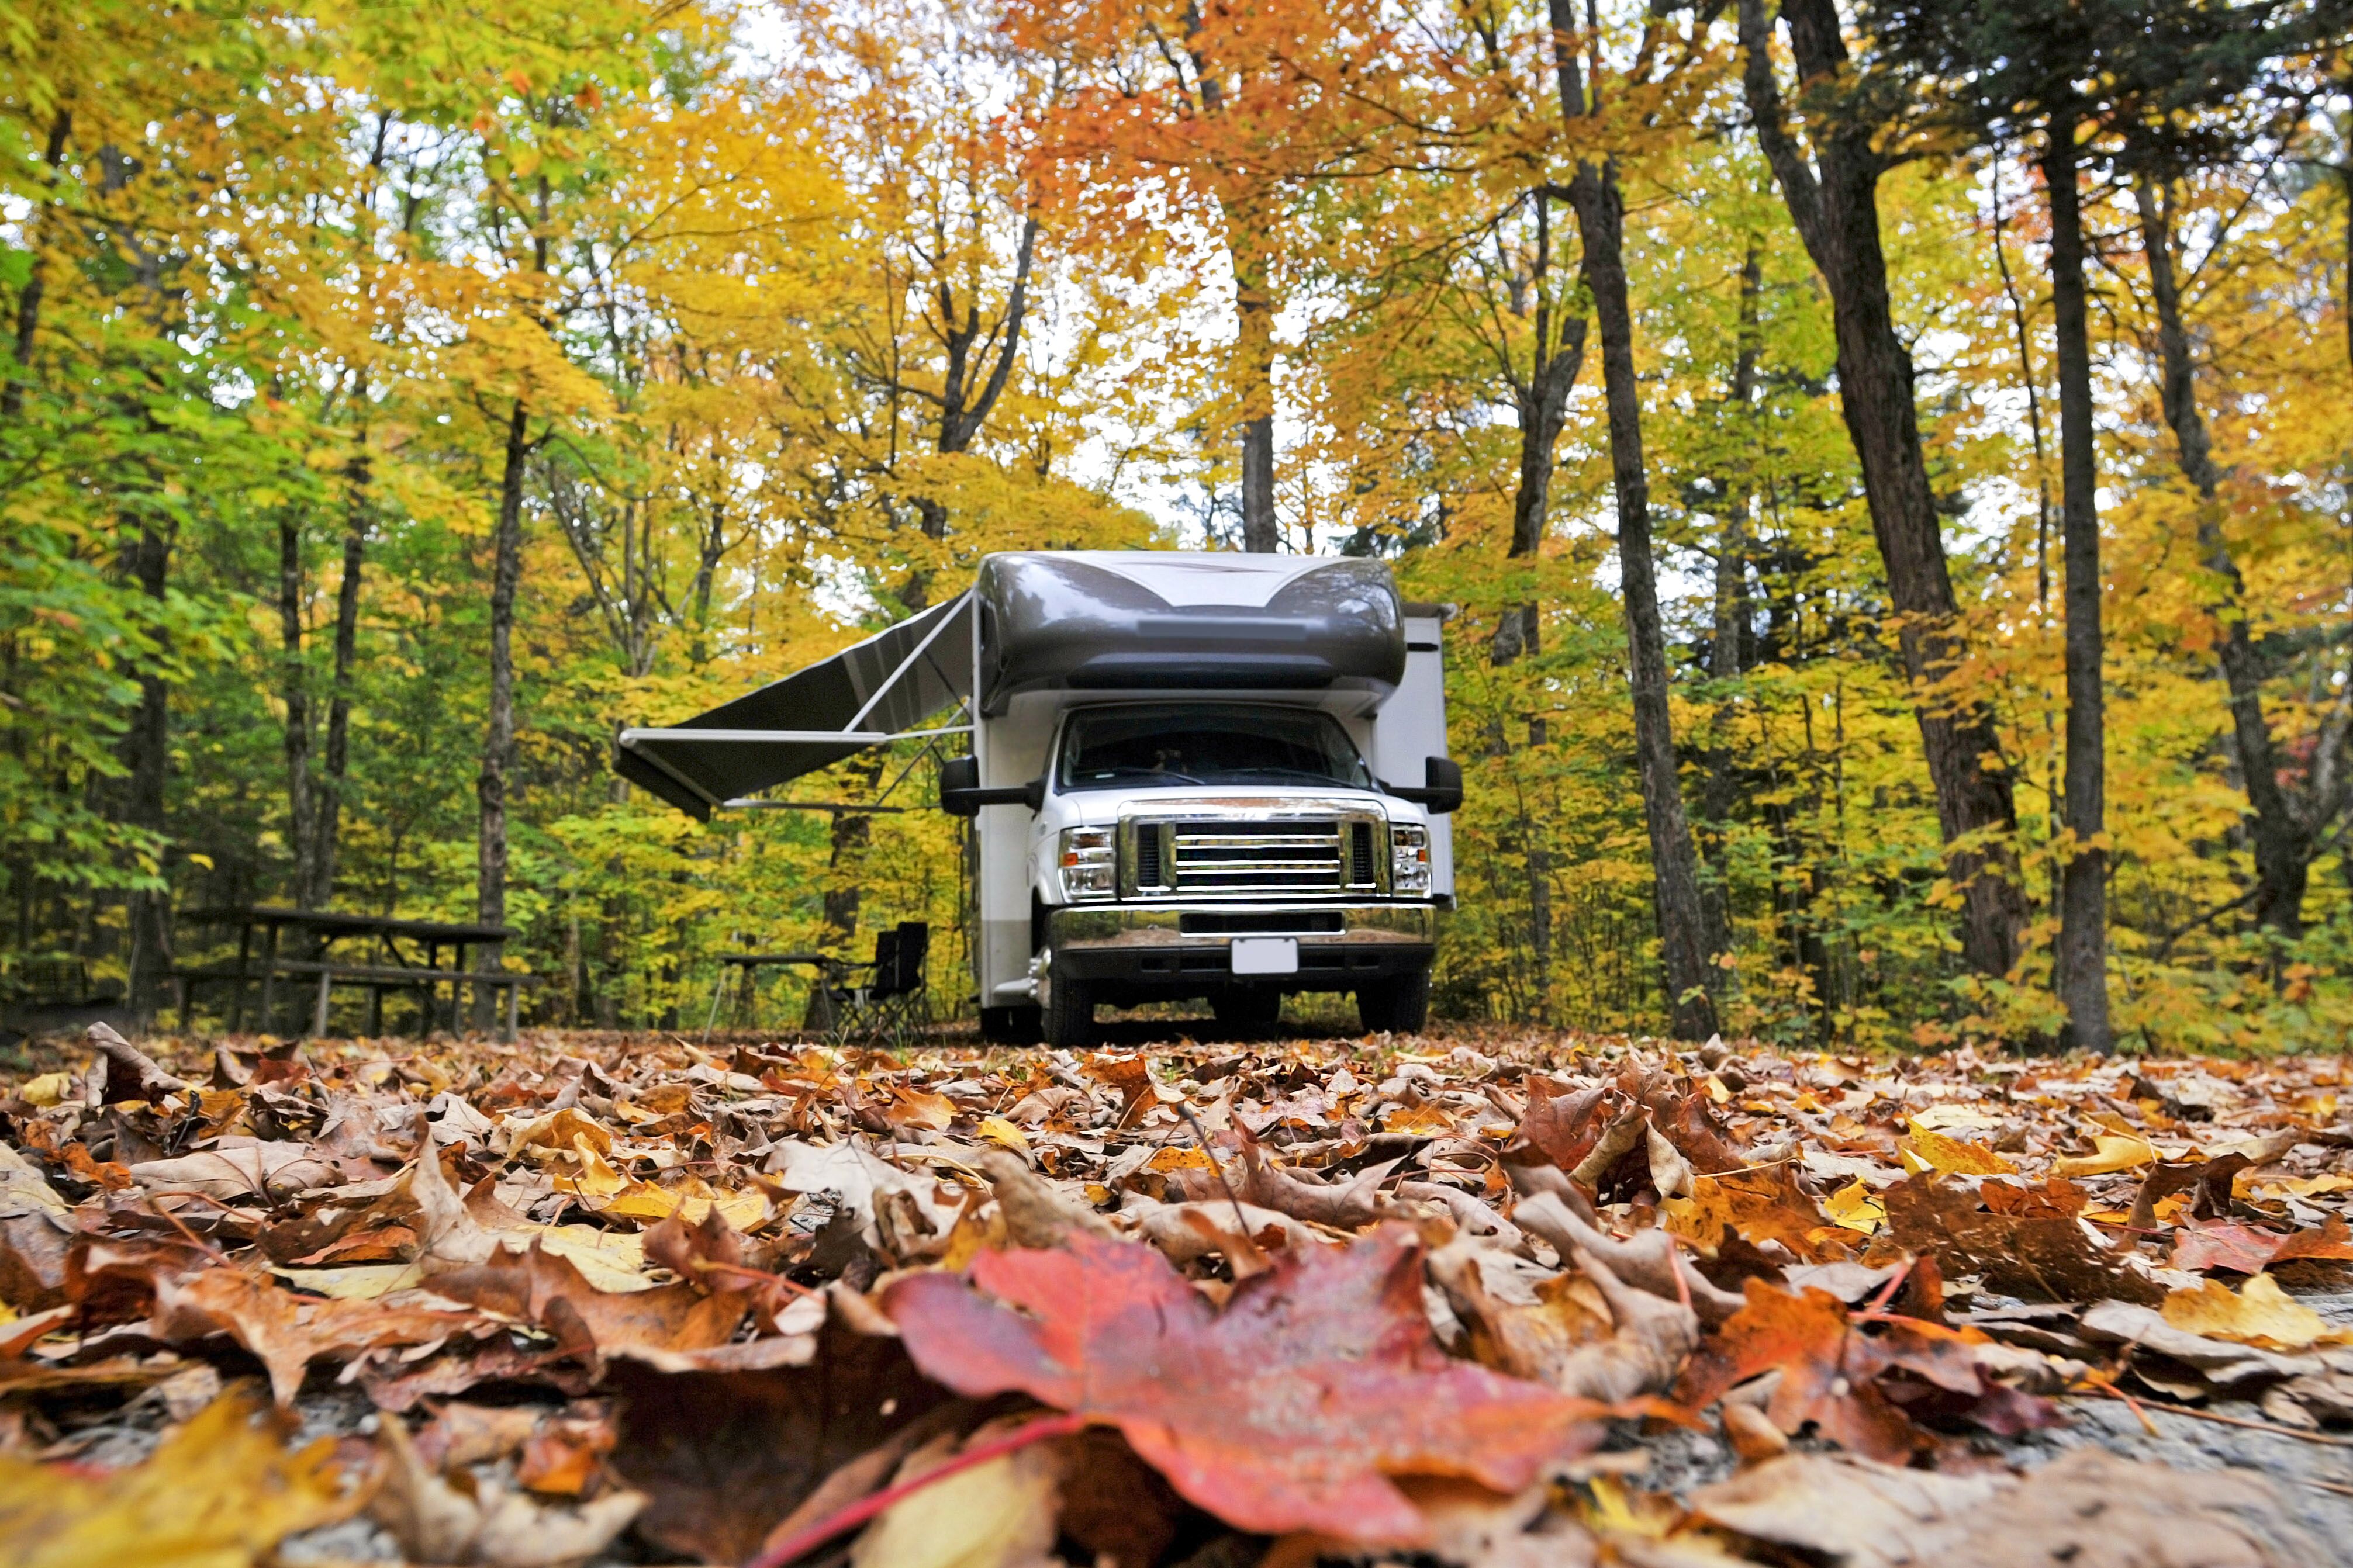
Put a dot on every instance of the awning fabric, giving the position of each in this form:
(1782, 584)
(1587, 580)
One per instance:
(863, 696)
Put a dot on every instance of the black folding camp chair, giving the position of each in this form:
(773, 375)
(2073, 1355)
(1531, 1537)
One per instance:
(892, 1001)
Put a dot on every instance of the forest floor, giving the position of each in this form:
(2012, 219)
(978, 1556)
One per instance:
(1493, 1298)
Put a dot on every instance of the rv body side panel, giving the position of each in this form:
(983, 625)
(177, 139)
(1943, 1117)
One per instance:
(1411, 728)
(1012, 752)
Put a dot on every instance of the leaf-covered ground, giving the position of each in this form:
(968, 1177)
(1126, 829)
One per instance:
(1488, 1299)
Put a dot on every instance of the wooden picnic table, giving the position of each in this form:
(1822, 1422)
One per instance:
(416, 967)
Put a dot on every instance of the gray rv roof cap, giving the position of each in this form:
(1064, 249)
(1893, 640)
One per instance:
(1170, 620)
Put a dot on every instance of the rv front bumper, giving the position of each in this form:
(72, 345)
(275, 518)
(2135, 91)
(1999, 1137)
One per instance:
(1186, 948)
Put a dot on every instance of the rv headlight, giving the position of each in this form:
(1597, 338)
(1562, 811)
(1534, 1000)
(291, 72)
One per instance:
(1088, 866)
(1408, 857)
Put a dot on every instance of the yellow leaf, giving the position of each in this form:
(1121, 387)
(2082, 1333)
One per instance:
(997, 1130)
(45, 1090)
(560, 1132)
(994, 1515)
(1940, 1117)
(1856, 1207)
(596, 1178)
(218, 1493)
(1179, 1157)
(610, 1260)
(1938, 1153)
(1716, 1089)
(356, 1281)
(2259, 1314)
(1419, 1121)
(2111, 1152)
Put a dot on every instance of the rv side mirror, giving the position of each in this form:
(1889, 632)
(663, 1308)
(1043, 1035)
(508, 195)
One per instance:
(961, 795)
(1441, 786)
(959, 781)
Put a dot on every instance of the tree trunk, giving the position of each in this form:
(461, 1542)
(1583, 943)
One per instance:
(2282, 848)
(295, 691)
(327, 821)
(1541, 403)
(145, 754)
(1834, 204)
(2083, 979)
(498, 744)
(1728, 626)
(1688, 946)
(1254, 372)
(28, 298)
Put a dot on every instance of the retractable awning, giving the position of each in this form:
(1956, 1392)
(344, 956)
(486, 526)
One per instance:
(878, 691)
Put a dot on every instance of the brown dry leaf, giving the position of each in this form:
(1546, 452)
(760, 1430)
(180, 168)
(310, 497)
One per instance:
(540, 1287)
(1826, 1365)
(726, 1456)
(2040, 1257)
(561, 1456)
(486, 1523)
(219, 1492)
(2087, 1510)
(914, 1108)
(285, 1331)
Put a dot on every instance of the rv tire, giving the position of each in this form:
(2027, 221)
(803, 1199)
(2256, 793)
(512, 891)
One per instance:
(1070, 1012)
(1398, 1005)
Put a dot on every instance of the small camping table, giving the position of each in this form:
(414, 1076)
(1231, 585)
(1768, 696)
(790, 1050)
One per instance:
(417, 968)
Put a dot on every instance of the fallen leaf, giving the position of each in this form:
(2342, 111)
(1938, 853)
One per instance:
(1826, 1368)
(913, 1108)
(2260, 1313)
(218, 1492)
(1000, 1513)
(2086, 1509)
(488, 1523)
(561, 1456)
(1288, 1410)
(2218, 1361)
(1856, 1207)
(544, 1287)
(2111, 1151)
(1004, 1133)
(1929, 1150)
(724, 1458)
(285, 1331)
(2037, 1257)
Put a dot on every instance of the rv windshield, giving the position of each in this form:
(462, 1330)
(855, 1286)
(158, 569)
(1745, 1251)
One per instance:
(1175, 744)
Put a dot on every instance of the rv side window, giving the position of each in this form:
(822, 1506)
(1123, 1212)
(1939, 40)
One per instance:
(1178, 744)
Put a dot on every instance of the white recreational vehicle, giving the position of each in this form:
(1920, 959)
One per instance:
(1191, 775)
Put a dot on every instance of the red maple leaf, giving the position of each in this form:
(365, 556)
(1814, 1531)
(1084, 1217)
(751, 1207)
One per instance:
(1287, 1410)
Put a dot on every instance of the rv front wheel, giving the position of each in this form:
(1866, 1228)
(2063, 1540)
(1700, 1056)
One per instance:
(1398, 1005)
(1070, 1013)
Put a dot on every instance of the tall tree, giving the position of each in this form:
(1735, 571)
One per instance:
(1690, 932)
(1832, 191)
(2085, 74)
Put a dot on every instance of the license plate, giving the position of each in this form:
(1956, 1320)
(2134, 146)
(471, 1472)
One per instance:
(1266, 955)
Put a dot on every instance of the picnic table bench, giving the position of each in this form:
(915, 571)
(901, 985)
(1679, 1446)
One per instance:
(419, 970)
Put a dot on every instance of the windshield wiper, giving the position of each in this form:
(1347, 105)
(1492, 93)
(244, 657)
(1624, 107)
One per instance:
(1306, 773)
(1105, 775)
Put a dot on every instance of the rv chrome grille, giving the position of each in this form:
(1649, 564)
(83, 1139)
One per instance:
(1257, 857)
(1247, 857)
